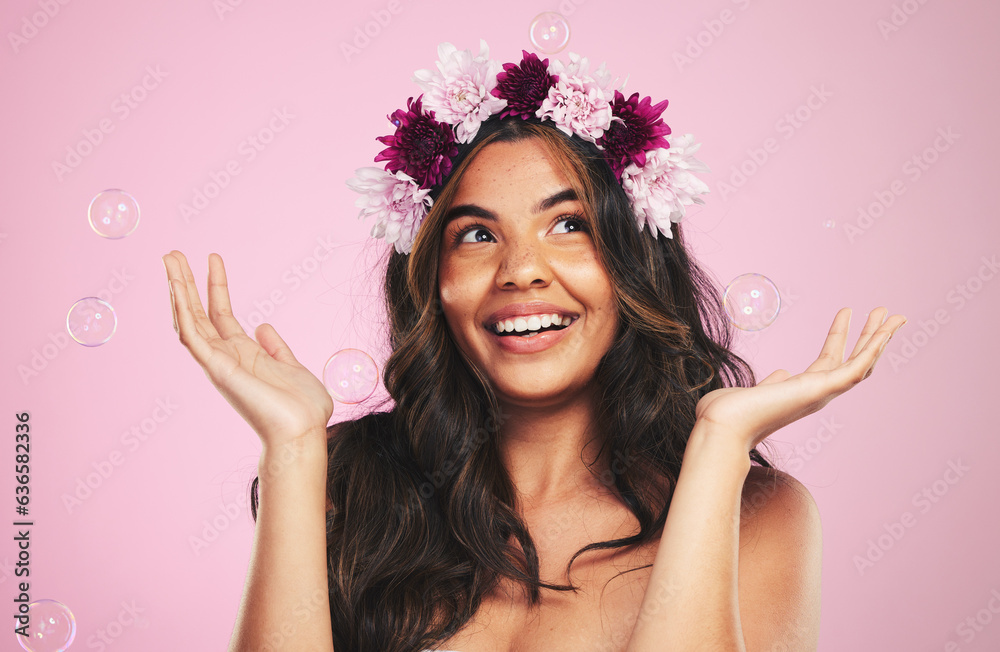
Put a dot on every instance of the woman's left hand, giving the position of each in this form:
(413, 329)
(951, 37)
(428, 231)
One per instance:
(750, 414)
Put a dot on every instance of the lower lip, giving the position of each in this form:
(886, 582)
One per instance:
(533, 344)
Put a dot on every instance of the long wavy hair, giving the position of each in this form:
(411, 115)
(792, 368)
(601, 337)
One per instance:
(422, 519)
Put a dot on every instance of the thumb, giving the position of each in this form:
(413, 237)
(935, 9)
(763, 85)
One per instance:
(271, 342)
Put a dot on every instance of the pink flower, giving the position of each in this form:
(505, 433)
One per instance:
(421, 147)
(660, 189)
(577, 105)
(460, 94)
(636, 128)
(525, 86)
(580, 67)
(397, 202)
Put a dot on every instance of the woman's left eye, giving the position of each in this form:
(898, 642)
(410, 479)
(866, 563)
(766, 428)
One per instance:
(570, 224)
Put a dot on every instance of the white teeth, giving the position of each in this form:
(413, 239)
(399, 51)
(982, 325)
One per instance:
(531, 323)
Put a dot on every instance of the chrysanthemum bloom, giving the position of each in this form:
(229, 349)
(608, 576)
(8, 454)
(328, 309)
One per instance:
(524, 86)
(460, 93)
(577, 105)
(660, 189)
(636, 127)
(421, 147)
(398, 204)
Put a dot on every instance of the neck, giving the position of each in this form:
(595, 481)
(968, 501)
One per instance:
(547, 449)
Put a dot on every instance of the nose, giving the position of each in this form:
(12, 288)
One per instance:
(523, 265)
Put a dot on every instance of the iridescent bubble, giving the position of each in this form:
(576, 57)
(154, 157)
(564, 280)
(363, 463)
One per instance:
(113, 214)
(829, 224)
(752, 302)
(91, 321)
(52, 627)
(549, 32)
(350, 375)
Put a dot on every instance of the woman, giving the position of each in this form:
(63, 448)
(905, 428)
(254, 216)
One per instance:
(570, 460)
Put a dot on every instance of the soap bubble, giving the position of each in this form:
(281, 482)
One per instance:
(113, 214)
(350, 376)
(829, 224)
(752, 302)
(52, 627)
(91, 321)
(549, 32)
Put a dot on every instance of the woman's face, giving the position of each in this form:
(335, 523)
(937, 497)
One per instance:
(516, 250)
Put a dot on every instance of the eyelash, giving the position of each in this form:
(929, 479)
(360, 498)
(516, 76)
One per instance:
(577, 217)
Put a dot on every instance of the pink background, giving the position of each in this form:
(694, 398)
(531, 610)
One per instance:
(878, 99)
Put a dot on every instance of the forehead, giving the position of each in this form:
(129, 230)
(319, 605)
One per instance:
(510, 172)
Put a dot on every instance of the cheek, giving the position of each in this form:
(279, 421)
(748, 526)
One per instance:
(457, 289)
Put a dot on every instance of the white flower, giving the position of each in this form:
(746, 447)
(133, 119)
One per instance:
(460, 94)
(661, 189)
(580, 67)
(577, 105)
(397, 202)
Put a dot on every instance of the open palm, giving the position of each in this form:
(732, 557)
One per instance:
(750, 414)
(262, 380)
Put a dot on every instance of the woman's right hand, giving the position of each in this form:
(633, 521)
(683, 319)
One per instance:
(281, 400)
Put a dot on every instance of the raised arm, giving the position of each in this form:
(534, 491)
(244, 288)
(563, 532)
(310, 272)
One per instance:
(705, 591)
(285, 603)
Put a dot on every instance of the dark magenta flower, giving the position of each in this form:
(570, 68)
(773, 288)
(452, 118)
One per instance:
(524, 86)
(638, 130)
(422, 147)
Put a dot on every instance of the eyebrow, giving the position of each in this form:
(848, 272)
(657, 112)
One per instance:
(473, 210)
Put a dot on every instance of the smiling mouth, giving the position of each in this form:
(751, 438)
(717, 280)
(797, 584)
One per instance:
(530, 326)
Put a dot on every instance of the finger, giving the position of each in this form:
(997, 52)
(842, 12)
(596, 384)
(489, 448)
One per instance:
(863, 363)
(186, 326)
(875, 319)
(776, 377)
(832, 353)
(196, 308)
(271, 342)
(219, 305)
(181, 296)
(180, 273)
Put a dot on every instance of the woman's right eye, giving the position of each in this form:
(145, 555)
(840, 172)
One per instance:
(476, 234)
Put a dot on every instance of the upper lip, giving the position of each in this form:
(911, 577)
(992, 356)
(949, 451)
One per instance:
(512, 310)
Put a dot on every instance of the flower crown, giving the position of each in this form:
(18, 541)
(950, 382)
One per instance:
(467, 90)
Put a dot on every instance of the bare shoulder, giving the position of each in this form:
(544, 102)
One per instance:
(780, 560)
